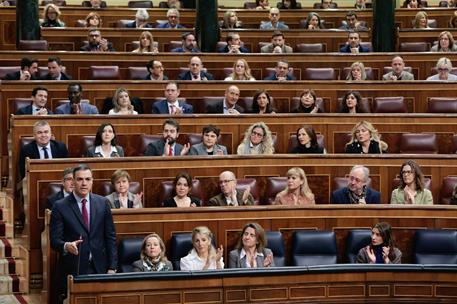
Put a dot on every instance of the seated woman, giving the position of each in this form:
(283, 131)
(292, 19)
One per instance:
(182, 186)
(382, 248)
(411, 189)
(93, 20)
(297, 191)
(230, 20)
(307, 103)
(250, 249)
(307, 141)
(105, 144)
(203, 256)
(444, 68)
(241, 71)
(357, 72)
(122, 197)
(152, 255)
(289, 4)
(209, 145)
(453, 20)
(122, 104)
(412, 4)
(146, 44)
(421, 20)
(51, 14)
(445, 43)
(262, 5)
(365, 140)
(447, 3)
(261, 103)
(313, 22)
(352, 103)
(257, 140)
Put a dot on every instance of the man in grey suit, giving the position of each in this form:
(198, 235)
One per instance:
(229, 195)
(209, 145)
(167, 145)
(398, 71)
(75, 106)
(277, 45)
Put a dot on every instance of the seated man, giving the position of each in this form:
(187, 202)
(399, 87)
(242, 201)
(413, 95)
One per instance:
(209, 145)
(171, 105)
(352, 24)
(38, 106)
(67, 188)
(141, 19)
(357, 191)
(97, 4)
(277, 45)
(274, 22)
(398, 71)
(155, 69)
(325, 4)
(55, 69)
(173, 20)
(233, 45)
(229, 195)
(353, 44)
(28, 71)
(189, 44)
(42, 147)
(167, 145)
(195, 72)
(97, 43)
(75, 106)
(228, 105)
(282, 72)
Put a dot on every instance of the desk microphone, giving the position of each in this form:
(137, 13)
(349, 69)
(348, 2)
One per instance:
(79, 254)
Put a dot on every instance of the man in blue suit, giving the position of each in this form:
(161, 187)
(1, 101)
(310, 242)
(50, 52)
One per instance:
(189, 44)
(75, 106)
(173, 20)
(353, 44)
(82, 231)
(171, 105)
(357, 191)
(38, 105)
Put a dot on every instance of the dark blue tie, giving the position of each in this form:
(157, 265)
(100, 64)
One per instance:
(46, 155)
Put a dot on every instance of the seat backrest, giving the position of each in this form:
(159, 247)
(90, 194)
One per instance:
(86, 3)
(293, 142)
(87, 141)
(174, 44)
(166, 190)
(8, 69)
(80, 23)
(180, 245)
(311, 48)
(249, 5)
(435, 247)
(447, 187)
(311, 247)
(56, 2)
(319, 74)
(368, 71)
(140, 4)
(442, 104)
(20, 103)
(275, 242)
(33, 45)
(295, 103)
(210, 101)
(122, 23)
(419, 143)
(129, 251)
(356, 240)
(275, 184)
(136, 73)
(145, 140)
(104, 72)
(414, 47)
(318, 5)
(389, 105)
(243, 183)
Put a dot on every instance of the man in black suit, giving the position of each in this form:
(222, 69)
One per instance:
(55, 70)
(282, 72)
(42, 147)
(167, 145)
(38, 106)
(189, 44)
(195, 72)
(233, 45)
(82, 231)
(228, 105)
(29, 70)
(67, 188)
(97, 43)
(155, 69)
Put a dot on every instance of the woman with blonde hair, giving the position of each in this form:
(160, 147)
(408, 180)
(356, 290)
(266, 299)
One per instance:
(365, 139)
(257, 140)
(122, 103)
(357, 72)
(297, 191)
(445, 43)
(231, 20)
(421, 20)
(444, 68)
(93, 20)
(147, 44)
(51, 14)
(203, 256)
(152, 255)
(241, 71)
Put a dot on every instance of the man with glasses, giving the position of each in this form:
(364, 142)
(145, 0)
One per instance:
(229, 104)
(196, 72)
(155, 69)
(97, 43)
(274, 22)
(173, 20)
(67, 188)
(229, 195)
(282, 72)
(357, 190)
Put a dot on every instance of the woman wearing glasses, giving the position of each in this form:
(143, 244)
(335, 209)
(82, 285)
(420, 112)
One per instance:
(444, 68)
(412, 189)
(257, 140)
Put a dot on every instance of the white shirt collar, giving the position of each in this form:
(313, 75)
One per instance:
(98, 149)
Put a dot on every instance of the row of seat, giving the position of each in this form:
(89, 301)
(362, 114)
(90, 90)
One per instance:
(310, 247)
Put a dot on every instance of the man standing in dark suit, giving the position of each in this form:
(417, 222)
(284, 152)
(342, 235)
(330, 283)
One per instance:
(55, 70)
(228, 105)
(42, 147)
(38, 106)
(357, 190)
(82, 231)
(171, 105)
(167, 145)
(67, 188)
(195, 72)
(229, 195)
(29, 70)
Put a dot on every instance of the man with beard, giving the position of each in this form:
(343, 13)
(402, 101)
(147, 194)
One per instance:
(167, 145)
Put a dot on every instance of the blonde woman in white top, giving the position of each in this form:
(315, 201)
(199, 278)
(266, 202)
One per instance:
(241, 71)
(122, 104)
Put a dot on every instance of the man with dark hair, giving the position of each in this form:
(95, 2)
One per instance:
(353, 44)
(38, 106)
(28, 71)
(82, 231)
(189, 44)
(282, 72)
(196, 72)
(209, 145)
(75, 106)
(352, 24)
(97, 43)
(55, 70)
(171, 105)
(66, 190)
(155, 69)
(229, 104)
(167, 145)
(277, 45)
(233, 45)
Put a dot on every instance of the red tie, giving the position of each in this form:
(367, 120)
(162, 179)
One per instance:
(170, 151)
(84, 212)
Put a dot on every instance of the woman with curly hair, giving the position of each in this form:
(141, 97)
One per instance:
(365, 139)
(93, 20)
(257, 140)
(297, 191)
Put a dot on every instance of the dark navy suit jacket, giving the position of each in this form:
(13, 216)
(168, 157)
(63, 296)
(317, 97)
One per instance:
(341, 196)
(225, 49)
(53, 198)
(187, 76)
(347, 49)
(219, 108)
(273, 77)
(156, 148)
(63, 76)
(17, 76)
(28, 110)
(161, 107)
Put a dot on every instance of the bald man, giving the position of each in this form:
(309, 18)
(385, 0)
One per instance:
(229, 104)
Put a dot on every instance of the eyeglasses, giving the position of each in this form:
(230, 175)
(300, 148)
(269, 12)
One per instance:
(443, 70)
(356, 179)
(406, 172)
(257, 134)
(225, 181)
